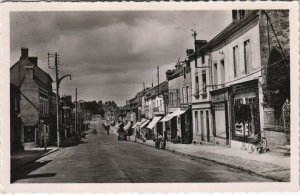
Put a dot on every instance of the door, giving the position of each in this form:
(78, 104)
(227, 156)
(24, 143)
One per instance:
(173, 128)
(182, 124)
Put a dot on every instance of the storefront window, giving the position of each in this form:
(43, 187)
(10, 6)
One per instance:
(244, 109)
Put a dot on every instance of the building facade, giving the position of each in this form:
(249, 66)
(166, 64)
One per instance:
(35, 87)
(241, 61)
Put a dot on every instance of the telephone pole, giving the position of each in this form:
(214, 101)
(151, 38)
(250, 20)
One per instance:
(56, 64)
(57, 82)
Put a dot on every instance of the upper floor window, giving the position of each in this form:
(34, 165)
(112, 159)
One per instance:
(204, 81)
(177, 97)
(203, 59)
(222, 71)
(184, 72)
(197, 83)
(187, 94)
(235, 60)
(215, 74)
(247, 56)
(183, 95)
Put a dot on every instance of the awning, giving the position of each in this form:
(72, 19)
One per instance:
(136, 124)
(127, 126)
(178, 112)
(167, 118)
(139, 123)
(175, 113)
(153, 122)
(144, 123)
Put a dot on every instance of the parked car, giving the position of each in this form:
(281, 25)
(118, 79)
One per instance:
(94, 131)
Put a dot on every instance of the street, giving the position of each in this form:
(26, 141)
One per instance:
(101, 158)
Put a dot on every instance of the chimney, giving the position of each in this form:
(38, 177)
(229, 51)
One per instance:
(169, 74)
(199, 44)
(189, 52)
(234, 15)
(33, 60)
(24, 53)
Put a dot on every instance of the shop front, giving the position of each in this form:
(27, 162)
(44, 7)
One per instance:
(245, 117)
(220, 122)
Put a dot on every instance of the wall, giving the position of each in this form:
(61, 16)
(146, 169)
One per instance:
(226, 52)
(183, 83)
(29, 102)
(198, 71)
(174, 86)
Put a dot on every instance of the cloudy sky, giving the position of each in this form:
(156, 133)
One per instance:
(110, 54)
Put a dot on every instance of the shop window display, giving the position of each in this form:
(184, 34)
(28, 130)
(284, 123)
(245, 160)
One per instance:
(244, 112)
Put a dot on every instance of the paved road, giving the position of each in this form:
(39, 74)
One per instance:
(103, 159)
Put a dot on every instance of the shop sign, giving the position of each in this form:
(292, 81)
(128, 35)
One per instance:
(219, 97)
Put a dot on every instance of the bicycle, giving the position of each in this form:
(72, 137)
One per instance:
(258, 144)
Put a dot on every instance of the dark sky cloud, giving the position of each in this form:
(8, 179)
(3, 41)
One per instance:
(111, 53)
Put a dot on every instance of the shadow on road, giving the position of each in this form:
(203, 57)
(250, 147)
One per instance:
(23, 174)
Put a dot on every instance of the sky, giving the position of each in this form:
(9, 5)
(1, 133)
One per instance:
(111, 53)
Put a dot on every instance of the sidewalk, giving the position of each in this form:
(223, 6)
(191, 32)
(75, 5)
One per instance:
(268, 165)
(20, 159)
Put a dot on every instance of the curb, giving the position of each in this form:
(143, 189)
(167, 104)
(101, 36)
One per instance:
(193, 157)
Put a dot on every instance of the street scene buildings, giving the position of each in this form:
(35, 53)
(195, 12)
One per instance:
(226, 101)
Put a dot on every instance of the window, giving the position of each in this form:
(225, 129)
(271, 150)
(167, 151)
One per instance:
(187, 94)
(247, 56)
(197, 83)
(215, 74)
(202, 125)
(235, 60)
(207, 125)
(171, 99)
(184, 72)
(203, 59)
(177, 97)
(182, 95)
(196, 122)
(204, 81)
(222, 72)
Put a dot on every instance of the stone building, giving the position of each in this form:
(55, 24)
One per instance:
(35, 87)
(179, 119)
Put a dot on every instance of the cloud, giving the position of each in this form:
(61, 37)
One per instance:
(111, 53)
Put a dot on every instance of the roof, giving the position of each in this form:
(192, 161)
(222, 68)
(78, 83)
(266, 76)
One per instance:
(227, 32)
(39, 75)
(163, 87)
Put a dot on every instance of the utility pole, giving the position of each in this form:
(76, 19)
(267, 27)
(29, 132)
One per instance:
(57, 81)
(76, 113)
(56, 64)
(57, 100)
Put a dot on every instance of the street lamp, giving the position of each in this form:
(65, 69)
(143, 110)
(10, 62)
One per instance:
(57, 105)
